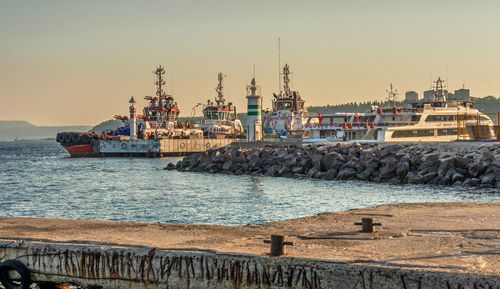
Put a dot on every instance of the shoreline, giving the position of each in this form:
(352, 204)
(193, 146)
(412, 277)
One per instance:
(452, 237)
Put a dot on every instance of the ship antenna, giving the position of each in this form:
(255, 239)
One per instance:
(391, 95)
(220, 89)
(286, 79)
(160, 71)
(439, 90)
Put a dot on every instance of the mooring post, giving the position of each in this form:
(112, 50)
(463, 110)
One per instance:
(367, 225)
(278, 243)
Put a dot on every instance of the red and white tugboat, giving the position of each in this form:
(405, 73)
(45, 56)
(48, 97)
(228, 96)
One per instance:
(289, 114)
(159, 121)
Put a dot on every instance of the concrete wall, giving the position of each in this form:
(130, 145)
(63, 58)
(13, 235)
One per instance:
(116, 266)
(128, 146)
(163, 147)
(182, 146)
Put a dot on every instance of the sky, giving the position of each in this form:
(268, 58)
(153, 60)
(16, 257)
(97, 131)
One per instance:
(78, 62)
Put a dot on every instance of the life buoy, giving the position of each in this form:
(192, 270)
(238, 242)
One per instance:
(60, 137)
(75, 137)
(182, 145)
(124, 145)
(67, 137)
(207, 145)
(24, 281)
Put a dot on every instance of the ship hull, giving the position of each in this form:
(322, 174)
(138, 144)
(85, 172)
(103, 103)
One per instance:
(81, 151)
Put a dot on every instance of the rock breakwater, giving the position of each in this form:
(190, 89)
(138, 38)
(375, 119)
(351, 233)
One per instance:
(457, 164)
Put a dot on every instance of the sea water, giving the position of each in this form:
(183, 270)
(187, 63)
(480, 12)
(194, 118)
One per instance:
(39, 179)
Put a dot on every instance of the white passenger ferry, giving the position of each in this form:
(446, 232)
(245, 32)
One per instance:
(434, 118)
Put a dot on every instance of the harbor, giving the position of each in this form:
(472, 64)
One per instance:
(439, 116)
(439, 245)
(249, 145)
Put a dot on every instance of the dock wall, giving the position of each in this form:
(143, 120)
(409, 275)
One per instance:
(158, 148)
(118, 266)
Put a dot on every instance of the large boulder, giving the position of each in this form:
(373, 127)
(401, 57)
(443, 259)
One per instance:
(429, 177)
(318, 162)
(403, 166)
(457, 177)
(346, 173)
(388, 169)
(445, 166)
(415, 178)
(476, 169)
(488, 179)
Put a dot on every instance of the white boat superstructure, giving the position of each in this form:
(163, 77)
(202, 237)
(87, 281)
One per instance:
(220, 119)
(430, 120)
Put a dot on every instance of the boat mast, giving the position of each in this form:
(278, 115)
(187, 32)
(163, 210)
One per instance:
(160, 71)
(391, 96)
(279, 65)
(219, 89)
(439, 90)
(286, 80)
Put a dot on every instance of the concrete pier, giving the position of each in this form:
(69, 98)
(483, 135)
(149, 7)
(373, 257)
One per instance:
(157, 148)
(441, 245)
(117, 267)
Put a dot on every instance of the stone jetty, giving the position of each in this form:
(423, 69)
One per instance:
(467, 164)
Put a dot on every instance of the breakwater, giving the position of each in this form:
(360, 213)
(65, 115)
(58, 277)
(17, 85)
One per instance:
(457, 164)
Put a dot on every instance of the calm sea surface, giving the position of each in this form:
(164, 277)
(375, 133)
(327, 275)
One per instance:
(39, 179)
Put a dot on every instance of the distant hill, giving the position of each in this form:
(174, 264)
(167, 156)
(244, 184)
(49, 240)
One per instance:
(111, 124)
(23, 130)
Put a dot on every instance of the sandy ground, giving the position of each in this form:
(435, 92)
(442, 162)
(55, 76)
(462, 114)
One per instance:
(461, 237)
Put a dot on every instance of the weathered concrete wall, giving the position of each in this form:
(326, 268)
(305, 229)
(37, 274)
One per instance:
(158, 148)
(128, 146)
(182, 146)
(112, 266)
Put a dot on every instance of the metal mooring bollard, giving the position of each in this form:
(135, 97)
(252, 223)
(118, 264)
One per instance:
(367, 225)
(278, 243)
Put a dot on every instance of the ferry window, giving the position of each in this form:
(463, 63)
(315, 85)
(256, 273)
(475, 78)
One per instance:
(441, 118)
(284, 105)
(415, 118)
(449, 131)
(327, 120)
(413, 133)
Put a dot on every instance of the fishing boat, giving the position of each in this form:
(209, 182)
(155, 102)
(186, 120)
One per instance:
(288, 114)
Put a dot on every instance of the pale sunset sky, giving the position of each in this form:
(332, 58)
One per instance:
(78, 62)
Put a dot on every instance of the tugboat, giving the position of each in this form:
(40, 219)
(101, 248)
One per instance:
(288, 115)
(159, 119)
(220, 120)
